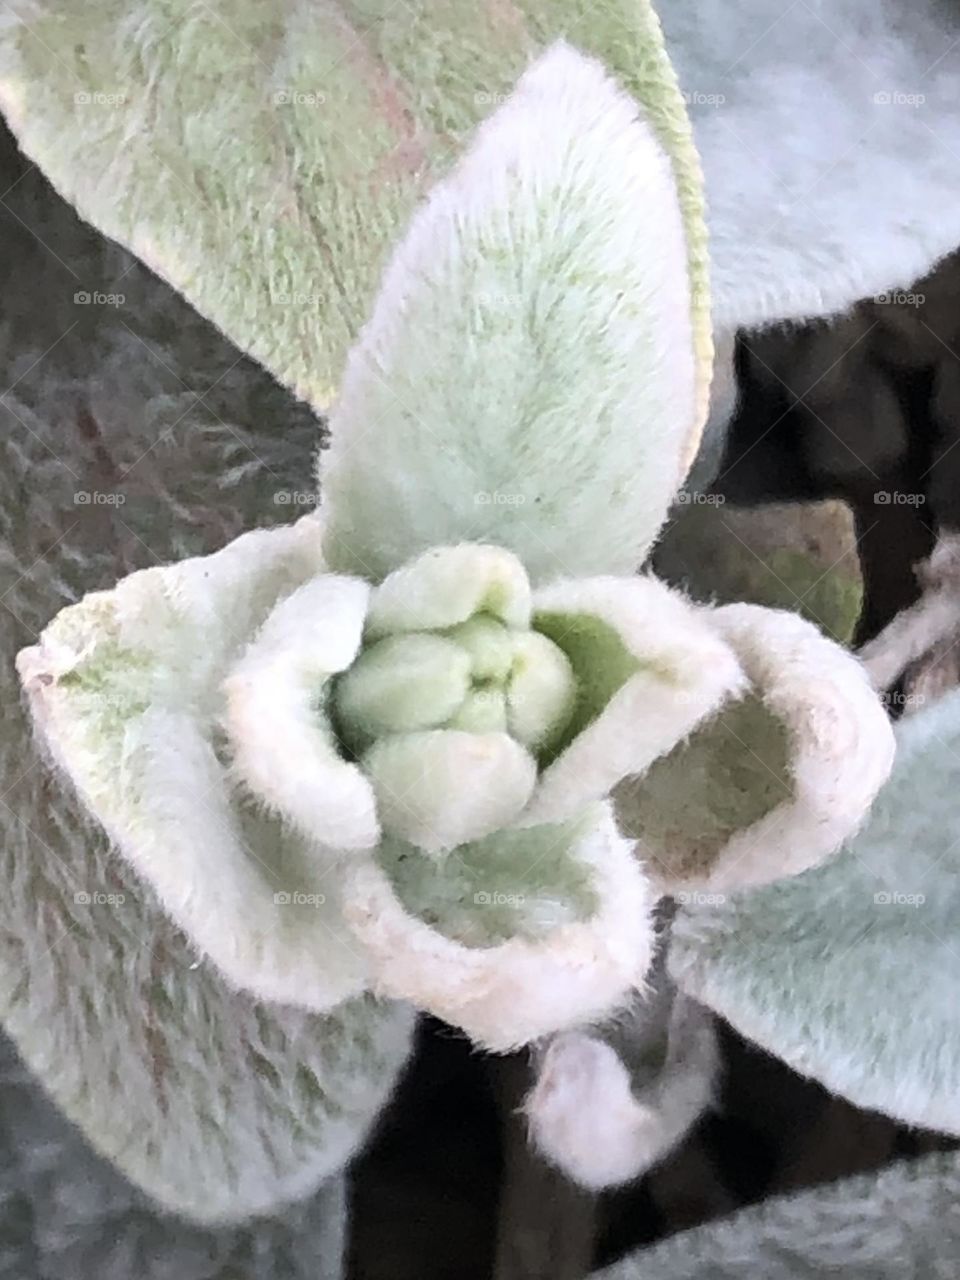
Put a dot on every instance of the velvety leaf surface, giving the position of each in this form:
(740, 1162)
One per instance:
(849, 971)
(135, 435)
(901, 1222)
(264, 159)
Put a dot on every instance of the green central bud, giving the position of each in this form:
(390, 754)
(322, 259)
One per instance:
(401, 684)
(480, 676)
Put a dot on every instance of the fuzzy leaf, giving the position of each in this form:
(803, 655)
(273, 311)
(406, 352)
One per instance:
(774, 783)
(217, 1105)
(70, 1211)
(528, 376)
(612, 1100)
(446, 586)
(848, 972)
(278, 712)
(523, 933)
(129, 688)
(900, 1222)
(648, 667)
(812, 209)
(264, 159)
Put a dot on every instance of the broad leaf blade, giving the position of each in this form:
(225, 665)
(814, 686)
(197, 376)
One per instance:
(848, 972)
(901, 1222)
(263, 159)
(529, 374)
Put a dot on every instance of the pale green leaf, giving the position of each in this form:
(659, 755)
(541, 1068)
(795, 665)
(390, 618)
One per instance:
(849, 972)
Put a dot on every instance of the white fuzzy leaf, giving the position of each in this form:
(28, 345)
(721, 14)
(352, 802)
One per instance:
(128, 688)
(506, 992)
(528, 375)
(849, 972)
(829, 132)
